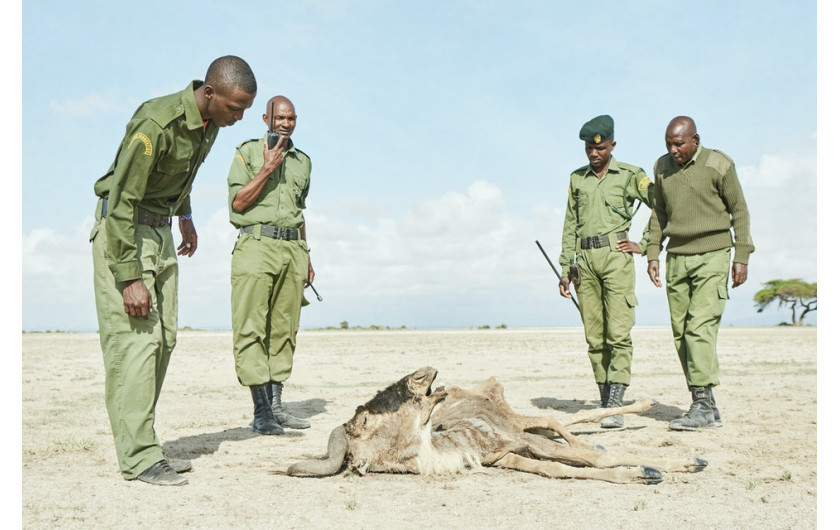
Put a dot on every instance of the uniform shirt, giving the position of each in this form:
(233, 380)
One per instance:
(599, 207)
(164, 144)
(282, 200)
(697, 204)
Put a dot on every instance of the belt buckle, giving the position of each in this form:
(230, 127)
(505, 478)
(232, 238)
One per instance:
(596, 242)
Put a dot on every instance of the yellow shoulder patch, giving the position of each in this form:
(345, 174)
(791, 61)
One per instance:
(145, 139)
(644, 183)
(237, 155)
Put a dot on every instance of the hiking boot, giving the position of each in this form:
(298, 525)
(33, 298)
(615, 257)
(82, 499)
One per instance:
(614, 400)
(284, 418)
(162, 474)
(700, 415)
(264, 421)
(718, 422)
(604, 392)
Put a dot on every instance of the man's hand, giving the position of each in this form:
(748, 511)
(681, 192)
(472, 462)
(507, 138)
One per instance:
(272, 158)
(137, 301)
(189, 238)
(739, 274)
(564, 288)
(311, 275)
(625, 245)
(653, 272)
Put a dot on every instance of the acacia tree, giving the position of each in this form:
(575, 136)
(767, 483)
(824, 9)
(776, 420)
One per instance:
(795, 294)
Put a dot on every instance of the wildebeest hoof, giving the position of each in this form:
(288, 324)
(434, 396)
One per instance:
(650, 475)
(699, 465)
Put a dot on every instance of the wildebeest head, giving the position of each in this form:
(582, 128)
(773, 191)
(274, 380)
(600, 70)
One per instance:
(387, 431)
(388, 428)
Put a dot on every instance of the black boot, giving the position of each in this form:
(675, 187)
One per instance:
(604, 391)
(284, 418)
(700, 415)
(264, 422)
(615, 399)
(718, 422)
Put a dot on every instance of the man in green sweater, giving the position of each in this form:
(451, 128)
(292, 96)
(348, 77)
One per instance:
(698, 199)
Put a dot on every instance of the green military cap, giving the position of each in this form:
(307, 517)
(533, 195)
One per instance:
(597, 129)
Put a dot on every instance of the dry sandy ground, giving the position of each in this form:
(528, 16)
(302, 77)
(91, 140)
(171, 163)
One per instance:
(762, 469)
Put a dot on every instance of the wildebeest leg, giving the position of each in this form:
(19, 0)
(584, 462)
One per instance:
(635, 475)
(545, 449)
(551, 423)
(593, 415)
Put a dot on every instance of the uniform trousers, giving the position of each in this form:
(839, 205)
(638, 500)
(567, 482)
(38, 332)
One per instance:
(697, 292)
(136, 351)
(267, 281)
(607, 300)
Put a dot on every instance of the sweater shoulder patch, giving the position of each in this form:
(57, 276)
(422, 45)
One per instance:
(719, 161)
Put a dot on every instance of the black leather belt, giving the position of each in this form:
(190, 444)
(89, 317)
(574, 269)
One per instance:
(274, 232)
(144, 217)
(599, 241)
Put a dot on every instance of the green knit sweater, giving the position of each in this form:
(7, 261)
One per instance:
(696, 205)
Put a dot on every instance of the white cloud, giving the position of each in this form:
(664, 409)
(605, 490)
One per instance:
(791, 171)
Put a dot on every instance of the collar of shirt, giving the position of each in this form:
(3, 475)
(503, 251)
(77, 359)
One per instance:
(612, 167)
(694, 158)
(191, 111)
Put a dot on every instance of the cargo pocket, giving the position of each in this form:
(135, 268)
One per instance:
(723, 292)
(632, 301)
(95, 229)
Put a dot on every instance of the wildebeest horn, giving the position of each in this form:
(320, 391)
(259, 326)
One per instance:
(336, 451)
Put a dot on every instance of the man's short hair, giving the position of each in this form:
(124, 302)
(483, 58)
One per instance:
(229, 72)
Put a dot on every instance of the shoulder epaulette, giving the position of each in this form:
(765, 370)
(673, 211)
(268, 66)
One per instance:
(247, 142)
(719, 160)
(581, 169)
(631, 167)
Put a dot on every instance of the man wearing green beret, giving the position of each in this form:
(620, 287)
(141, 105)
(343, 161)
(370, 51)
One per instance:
(270, 266)
(598, 256)
(135, 265)
(699, 207)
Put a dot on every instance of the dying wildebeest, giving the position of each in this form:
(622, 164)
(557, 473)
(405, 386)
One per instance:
(407, 428)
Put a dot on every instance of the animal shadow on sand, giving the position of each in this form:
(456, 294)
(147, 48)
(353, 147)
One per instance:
(208, 443)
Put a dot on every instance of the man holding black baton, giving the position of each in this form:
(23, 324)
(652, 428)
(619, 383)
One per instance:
(598, 258)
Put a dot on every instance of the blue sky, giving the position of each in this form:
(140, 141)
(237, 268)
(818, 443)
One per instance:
(442, 136)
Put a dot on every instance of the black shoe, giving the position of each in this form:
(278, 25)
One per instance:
(162, 474)
(700, 414)
(284, 418)
(264, 421)
(718, 421)
(604, 392)
(616, 399)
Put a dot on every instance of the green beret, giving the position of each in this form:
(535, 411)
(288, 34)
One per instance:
(597, 129)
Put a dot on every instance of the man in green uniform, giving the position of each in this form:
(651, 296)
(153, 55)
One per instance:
(698, 200)
(270, 267)
(596, 250)
(134, 259)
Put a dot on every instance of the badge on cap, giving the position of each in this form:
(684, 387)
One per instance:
(597, 139)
